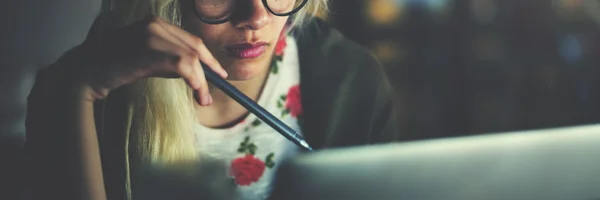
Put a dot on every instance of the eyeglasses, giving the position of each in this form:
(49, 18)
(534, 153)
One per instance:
(220, 11)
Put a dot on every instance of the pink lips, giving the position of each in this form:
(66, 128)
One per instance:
(247, 50)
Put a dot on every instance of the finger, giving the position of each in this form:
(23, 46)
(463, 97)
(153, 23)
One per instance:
(189, 69)
(197, 45)
(184, 62)
(203, 91)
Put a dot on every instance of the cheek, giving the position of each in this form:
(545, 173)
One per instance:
(279, 22)
(211, 35)
(208, 33)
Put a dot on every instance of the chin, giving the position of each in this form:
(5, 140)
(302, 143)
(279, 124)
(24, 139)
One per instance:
(241, 70)
(245, 69)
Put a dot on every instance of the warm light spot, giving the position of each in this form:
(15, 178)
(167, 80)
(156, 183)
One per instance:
(387, 51)
(569, 10)
(384, 12)
(571, 4)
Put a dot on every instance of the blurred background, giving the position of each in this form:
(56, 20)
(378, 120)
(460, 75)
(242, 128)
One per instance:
(463, 67)
(459, 67)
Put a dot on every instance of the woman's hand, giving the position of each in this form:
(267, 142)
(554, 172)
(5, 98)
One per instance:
(149, 48)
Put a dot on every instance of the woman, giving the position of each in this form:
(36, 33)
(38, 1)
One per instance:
(133, 95)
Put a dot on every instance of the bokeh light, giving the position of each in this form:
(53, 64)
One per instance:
(384, 12)
(571, 49)
(388, 50)
(569, 10)
(484, 11)
(439, 10)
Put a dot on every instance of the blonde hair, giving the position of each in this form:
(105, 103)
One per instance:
(161, 111)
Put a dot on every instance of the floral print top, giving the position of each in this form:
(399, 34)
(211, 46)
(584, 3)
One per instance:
(252, 150)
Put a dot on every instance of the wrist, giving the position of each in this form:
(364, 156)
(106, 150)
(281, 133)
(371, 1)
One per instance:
(80, 76)
(88, 93)
(84, 92)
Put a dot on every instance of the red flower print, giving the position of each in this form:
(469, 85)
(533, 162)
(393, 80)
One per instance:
(281, 44)
(247, 169)
(293, 101)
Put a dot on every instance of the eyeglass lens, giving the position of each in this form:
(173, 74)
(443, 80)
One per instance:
(216, 10)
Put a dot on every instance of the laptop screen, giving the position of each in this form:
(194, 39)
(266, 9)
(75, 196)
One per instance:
(562, 163)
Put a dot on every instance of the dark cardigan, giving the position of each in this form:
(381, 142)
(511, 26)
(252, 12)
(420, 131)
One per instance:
(346, 95)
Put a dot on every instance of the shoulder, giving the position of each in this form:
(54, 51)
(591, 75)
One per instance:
(320, 40)
(346, 95)
(325, 53)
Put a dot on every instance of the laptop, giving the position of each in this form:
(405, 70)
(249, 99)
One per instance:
(548, 164)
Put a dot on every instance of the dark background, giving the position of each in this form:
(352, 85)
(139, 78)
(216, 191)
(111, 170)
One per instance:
(463, 67)
(459, 67)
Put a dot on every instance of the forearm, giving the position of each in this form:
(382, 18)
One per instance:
(86, 151)
(61, 140)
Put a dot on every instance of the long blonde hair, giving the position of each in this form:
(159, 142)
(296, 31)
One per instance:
(161, 111)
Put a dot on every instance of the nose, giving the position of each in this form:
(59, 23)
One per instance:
(251, 14)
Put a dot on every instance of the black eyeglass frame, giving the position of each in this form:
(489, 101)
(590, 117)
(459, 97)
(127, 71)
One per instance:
(294, 11)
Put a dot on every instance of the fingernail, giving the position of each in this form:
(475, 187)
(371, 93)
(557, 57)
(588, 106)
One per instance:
(223, 73)
(210, 99)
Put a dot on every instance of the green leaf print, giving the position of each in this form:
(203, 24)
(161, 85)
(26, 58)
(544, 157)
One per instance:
(256, 122)
(244, 145)
(274, 66)
(269, 160)
(270, 157)
(252, 149)
(270, 164)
